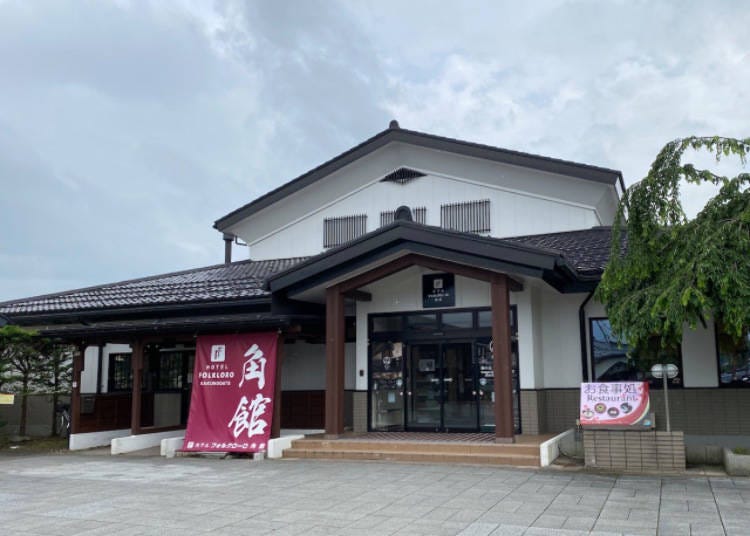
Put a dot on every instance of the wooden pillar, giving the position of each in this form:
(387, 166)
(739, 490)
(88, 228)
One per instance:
(75, 395)
(502, 361)
(136, 362)
(335, 338)
(276, 421)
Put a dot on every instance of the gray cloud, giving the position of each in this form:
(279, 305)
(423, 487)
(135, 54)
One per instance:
(127, 128)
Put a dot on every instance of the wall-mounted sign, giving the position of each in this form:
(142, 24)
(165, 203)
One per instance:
(6, 399)
(615, 405)
(231, 406)
(438, 290)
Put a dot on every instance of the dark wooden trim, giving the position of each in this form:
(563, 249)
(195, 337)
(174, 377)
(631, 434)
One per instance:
(276, 421)
(136, 361)
(502, 359)
(335, 361)
(157, 429)
(75, 395)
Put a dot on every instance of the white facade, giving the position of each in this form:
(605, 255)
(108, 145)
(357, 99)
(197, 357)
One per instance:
(522, 201)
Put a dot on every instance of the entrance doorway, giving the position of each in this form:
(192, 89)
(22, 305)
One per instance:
(442, 392)
(433, 372)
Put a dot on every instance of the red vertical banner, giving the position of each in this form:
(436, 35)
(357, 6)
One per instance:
(231, 406)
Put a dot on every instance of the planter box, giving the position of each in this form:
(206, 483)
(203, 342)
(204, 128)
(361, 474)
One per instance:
(736, 464)
(635, 450)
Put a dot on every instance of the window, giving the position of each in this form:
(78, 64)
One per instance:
(734, 359)
(469, 217)
(120, 373)
(337, 231)
(614, 361)
(170, 370)
(382, 324)
(460, 320)
(418, 213)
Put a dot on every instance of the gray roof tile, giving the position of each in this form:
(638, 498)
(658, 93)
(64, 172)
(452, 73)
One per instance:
(238, 280)
(586, 250)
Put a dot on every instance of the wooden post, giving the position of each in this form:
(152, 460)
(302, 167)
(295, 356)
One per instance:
(335, 338)
(276, 422)
(135, 404)
(502, 361)
(75, 395)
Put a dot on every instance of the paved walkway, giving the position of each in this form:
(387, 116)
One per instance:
(83, 494)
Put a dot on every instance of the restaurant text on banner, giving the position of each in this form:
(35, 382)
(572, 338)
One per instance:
(231, 405)
(615, 405)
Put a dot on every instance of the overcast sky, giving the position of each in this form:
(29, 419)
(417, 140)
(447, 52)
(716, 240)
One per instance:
(127, 128)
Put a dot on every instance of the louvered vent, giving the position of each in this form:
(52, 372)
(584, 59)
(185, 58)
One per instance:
(468, 217)
(418, 213)
(403, 175)
(337, 231)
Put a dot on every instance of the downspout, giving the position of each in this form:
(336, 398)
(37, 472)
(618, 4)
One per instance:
(228, 239)
(582, 326)
(100, 361)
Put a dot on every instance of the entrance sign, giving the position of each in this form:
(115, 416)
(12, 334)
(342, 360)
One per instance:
(438, 290)
(231, 406)
(614, 404)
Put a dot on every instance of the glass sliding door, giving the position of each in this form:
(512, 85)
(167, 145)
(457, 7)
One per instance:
(387, 387)
(459, 388)
(424, 392)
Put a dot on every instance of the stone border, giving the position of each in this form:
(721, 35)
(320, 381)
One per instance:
(736, 464)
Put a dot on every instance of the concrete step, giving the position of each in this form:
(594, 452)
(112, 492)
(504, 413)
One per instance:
(436, 447)
(404, 455)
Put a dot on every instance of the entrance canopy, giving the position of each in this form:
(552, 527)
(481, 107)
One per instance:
(404, 243)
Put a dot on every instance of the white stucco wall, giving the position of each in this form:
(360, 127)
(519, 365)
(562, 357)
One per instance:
(304, 366)
(294, 225)
(560, 336)
(699, 361)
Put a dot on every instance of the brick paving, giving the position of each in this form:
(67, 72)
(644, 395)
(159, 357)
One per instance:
(72, 494)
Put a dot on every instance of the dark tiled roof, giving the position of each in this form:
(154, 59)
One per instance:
(221, 282)
(586, 250)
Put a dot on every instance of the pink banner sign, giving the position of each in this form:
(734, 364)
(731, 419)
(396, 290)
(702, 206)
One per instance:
(231, 406)
(614, 404)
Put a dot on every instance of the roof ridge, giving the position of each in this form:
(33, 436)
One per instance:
(556, 233)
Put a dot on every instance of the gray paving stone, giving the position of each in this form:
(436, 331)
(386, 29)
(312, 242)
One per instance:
(80, 494)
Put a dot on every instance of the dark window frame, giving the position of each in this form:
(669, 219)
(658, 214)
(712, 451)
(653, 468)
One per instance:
(418, 213)
(467, 216)
(340, 230)
(114, 381)
(647, 377)
(732, 384)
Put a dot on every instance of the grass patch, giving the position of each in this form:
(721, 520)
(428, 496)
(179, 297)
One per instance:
(34, 445)
(742, 451)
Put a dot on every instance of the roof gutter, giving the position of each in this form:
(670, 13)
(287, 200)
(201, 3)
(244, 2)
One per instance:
(123, 311)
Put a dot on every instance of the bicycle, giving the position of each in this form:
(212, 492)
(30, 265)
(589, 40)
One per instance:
(63, 420)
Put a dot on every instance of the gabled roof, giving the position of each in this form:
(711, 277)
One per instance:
(562, 262)
(431, 141)
(218, 283)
